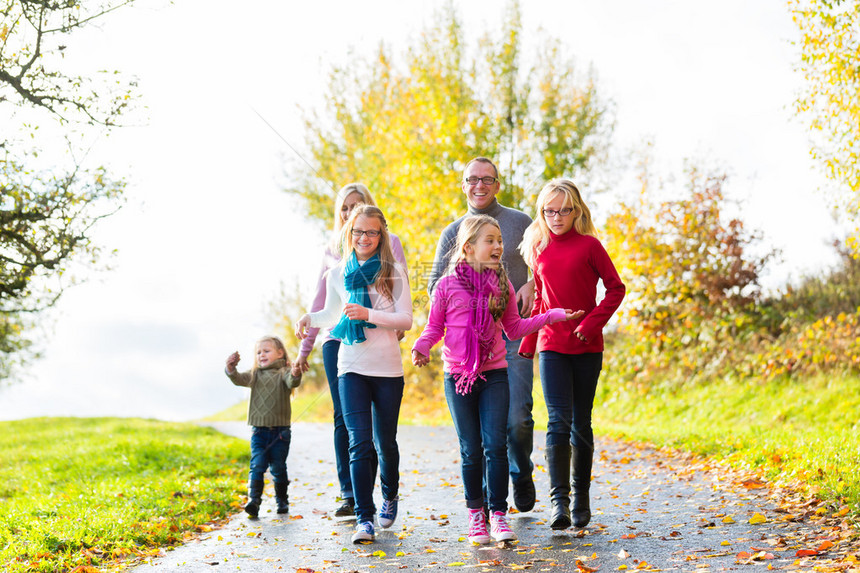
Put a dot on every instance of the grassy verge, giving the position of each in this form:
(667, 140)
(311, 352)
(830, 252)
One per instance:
(804, 433)
(84, 492)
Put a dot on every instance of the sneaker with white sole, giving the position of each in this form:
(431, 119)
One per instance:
(363, 532)
(478, 526)
(388, 513)
(499, 528)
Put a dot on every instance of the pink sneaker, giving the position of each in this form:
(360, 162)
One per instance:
(478, 526)
(499, 528)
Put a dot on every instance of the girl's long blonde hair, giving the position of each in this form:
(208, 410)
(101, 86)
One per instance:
(339, 200)
(468, 232)
(279, 345)
(536, 236)
(384, 281)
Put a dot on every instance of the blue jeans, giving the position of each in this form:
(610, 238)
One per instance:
(569, 383)
(520, 422)
(480, 418)
(341, 437)
(371, 408)
(269, 449)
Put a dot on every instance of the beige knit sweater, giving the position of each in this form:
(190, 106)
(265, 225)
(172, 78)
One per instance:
(270, 393)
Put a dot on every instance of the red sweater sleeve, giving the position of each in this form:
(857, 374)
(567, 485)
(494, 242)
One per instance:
(593, 323)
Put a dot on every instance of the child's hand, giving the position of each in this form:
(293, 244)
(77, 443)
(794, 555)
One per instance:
(302, 364)
(232, 361)
(572, 314)
(296, 370)
(302, 326)
(355, 311)
(419, 359)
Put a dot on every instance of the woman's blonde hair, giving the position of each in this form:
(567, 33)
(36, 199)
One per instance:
(279, 345)
(339, 200)
(468, 232)
(536, 236)
(384, 281)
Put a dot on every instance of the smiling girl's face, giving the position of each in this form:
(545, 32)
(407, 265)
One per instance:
(364, 244)
(486, 251)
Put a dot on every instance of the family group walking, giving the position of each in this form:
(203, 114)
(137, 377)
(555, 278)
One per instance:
(480, 293)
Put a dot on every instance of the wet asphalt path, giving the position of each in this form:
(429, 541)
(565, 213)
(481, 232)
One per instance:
(651, 512)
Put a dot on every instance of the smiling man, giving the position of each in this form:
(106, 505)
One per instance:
(481, 185)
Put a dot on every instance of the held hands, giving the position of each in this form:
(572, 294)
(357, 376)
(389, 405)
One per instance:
(419, 359)
(232, 361)
(301, 364)
(302, 326)
(355, 311)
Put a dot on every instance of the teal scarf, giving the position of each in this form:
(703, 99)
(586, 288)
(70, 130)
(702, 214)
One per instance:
(356, 279)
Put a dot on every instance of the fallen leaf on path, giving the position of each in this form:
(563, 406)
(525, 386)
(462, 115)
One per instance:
(585, 568)
(757, 519)
(806, 553)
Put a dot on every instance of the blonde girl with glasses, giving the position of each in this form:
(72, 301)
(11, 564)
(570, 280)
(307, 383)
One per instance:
(472, 305)
(347, 198)
(567, 261)
(367, 302)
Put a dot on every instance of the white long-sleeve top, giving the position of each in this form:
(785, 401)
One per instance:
(379, 355)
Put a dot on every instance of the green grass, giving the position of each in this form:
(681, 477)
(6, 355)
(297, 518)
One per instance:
(800, 432)
(89, 491)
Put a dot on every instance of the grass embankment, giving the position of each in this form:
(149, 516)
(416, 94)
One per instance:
(82, 492)
(803, 433)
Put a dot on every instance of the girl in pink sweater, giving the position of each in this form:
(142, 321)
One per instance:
(567, 261)
(471, 307)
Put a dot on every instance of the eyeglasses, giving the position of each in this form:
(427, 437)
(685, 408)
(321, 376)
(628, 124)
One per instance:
(485, 180)
(372, 233)
(550, 213)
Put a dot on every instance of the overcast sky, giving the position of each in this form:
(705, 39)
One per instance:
(207, 237)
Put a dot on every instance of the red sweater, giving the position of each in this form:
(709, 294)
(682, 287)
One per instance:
(566, 274)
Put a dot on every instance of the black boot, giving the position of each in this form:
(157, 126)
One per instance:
(255, 496)
(558, 460)
(581, 466)
(281, 497)
(524, 494)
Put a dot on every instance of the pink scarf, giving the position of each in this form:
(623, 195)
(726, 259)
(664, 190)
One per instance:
(481, 328)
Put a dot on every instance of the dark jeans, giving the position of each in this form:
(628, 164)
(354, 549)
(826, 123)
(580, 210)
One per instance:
(269, 449)
(480, 418)
(520, 422)
(569, 383)
(341, 437)
(371, 408)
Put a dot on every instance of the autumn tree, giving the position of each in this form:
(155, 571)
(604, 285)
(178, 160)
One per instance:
(47, 211)
(407, 127)
(829, 48)
(692, 271)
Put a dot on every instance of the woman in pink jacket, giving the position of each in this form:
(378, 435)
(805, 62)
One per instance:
(347, 198)
(471, 307)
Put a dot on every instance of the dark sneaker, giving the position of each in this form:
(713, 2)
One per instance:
(346, 509)
(388, 513)
(524, 494)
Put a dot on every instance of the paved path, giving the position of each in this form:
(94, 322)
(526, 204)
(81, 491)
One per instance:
(650, 512)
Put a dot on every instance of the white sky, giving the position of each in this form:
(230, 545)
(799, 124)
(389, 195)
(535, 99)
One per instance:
(207, 236)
